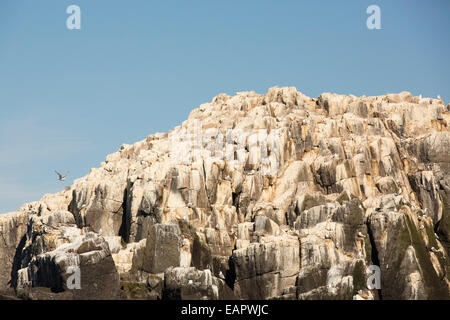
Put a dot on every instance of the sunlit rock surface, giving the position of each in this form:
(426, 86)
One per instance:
(273, 196)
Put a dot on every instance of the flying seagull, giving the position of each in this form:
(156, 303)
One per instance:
(61, 177)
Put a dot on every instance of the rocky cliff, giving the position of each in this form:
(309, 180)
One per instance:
(273, 196)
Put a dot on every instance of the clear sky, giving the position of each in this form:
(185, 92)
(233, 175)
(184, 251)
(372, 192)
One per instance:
(70, 97)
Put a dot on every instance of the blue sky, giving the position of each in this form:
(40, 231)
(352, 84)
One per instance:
(70, 97)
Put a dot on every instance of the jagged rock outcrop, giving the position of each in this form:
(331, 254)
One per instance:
(273, 196)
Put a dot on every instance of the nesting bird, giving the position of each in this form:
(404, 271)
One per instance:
(221, 276)
(189, 205)
(327, 236)
(399, 192)
(228, 178)
(190, 282)
(361, 235)
(419, 218)
(217, 227)
(436, 236)
(421, 227)
(337, 245)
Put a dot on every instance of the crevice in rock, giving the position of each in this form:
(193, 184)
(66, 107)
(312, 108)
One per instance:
(235, 197)
(230, 274)
(17, 262)
(125, 227)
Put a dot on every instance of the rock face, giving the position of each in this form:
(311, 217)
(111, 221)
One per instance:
(274, 196)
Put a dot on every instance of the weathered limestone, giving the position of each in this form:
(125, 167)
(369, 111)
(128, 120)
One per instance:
(254, 196)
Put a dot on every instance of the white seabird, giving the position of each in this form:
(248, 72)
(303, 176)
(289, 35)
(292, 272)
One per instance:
(327, 236)
(61, 177)
(338, 245)
(419, 218)
(189, 205)
(436, 236)
(421, 227)
(434, 250)
(221, 276)
(361, 235)
(217, 227)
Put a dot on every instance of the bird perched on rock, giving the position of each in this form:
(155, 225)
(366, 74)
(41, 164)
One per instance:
(62, 177)
(413, 208)
(252, 172)
(190, 282)
(361, 235)
(228, 178)
(419, 218)
(217, 227)
(433, 249)
(425, 211)
(399, 192)
(221, 276)
(304, 122)
(421, 227)
(436, 236)
(337, 245)
(189, 205)
(327, 236)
